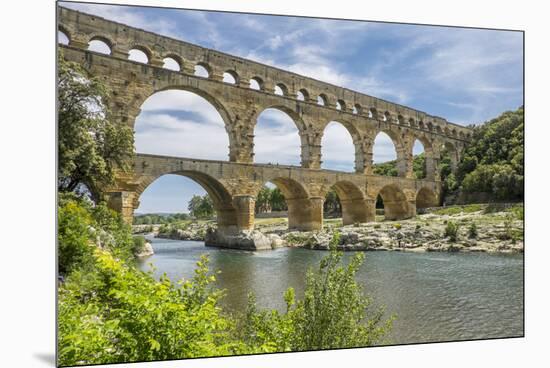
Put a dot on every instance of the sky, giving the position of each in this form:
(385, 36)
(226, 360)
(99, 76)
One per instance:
(467, 76)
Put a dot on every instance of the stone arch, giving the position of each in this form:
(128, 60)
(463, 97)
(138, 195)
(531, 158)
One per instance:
(214, 102)
(429, 160)
(177, 59)
(322, 100)
(304, 212)
(425, 198)
(259, 81)
(143, 49)
(341, 105)
(396, 206)
(353, 202)
(453, 153)
(373, 113)
(304, 93)
(400, 154)
(357, 109)
(226, 214)
(63, 30)
(359, 154)
(293, 115)
(232, 74)
(280, 89)
(103, 39)
(207, 68)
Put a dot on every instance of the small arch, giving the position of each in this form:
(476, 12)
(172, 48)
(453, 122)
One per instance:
(340, 105)
(100, 45)
(171, 63)
(373, 113)
(387, 116)
(302, 95)
(430, 126)
(438, 129)
(230, 77)
(256, 83)
(453, 132)
(461, 135)
(280, 90)
(394, 202)
(412, 122)
(421, 124)
(322, 100)
(357, 109)
(203, 70)
(62, 37)
(425, 198)
(400, 119)
(140, 54)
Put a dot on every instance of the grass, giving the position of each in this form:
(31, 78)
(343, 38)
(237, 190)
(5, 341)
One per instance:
(455, 210)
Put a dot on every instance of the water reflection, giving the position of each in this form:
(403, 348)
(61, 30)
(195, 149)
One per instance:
(436, 296)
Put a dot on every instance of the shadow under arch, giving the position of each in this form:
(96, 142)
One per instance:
(426, 198)
(352, 201)
(359, 154)
(396, 206)
(226, 214)
(304, 213)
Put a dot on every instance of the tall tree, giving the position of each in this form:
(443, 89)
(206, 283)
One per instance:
(91, 147)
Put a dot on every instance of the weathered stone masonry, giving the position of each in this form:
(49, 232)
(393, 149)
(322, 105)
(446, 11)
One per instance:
(234, 184)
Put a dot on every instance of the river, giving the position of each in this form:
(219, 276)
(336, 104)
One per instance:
(435, 296)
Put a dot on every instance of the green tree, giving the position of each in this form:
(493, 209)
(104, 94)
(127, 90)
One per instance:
(277, 200)
(201, 207)
(332, 205)
(263, 200)
(91, 147)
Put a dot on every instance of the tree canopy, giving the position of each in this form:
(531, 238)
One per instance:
(91, 146)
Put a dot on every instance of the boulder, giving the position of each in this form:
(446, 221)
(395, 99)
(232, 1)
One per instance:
(146, 251)
(244, 239)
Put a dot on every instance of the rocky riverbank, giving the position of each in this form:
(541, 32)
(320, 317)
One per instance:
(475, 230)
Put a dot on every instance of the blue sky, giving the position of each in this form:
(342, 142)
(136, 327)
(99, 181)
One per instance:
(465, 75)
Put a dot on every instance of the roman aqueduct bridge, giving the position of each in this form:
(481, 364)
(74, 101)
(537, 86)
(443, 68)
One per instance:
(312, 104)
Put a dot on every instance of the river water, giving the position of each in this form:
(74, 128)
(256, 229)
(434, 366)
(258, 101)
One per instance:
(435, 296)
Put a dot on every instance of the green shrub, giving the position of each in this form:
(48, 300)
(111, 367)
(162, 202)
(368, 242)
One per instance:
(117, 313)
(75, 246)
(377, 226)
(335, 313)
(472, 231)
(451, 231)
(139, 244)
(397, 226)
(335, 240)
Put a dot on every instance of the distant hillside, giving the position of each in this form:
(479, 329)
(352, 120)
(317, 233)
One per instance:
(493, 162)
(491, 167)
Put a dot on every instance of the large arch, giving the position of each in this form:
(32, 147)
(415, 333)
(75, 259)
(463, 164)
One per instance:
(352, 200)
(425, 198)
(340, 147)
(226, 214)
(396, 206)
(304, 213)
(170, 116)
(387, 148)
(275, 140)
